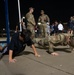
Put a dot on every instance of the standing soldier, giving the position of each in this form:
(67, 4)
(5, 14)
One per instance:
(31, 21)
(42, 21)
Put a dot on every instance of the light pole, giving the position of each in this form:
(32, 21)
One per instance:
(7, 21)
(19, 14)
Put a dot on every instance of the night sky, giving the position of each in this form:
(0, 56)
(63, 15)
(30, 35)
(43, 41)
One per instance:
(56, 10)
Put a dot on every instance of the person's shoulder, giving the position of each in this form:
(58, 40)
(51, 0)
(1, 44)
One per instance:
(46, 15)
(27, 14)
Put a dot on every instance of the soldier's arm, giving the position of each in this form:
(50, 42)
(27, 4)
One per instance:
(11, 60)
(48, 19)
(51, 50)
(39, 19)
(30, 43)
(33, 22)
(35, 51)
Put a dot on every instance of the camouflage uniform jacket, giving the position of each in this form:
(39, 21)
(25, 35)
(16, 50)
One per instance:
(30, 19)
(43, 19)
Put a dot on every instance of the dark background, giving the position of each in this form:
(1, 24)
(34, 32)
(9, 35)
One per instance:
(56, 10)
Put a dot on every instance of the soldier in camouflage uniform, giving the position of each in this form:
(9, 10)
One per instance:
(51, 42)
(31, 21)
(42, 22)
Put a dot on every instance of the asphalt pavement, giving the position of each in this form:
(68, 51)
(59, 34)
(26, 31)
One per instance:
(28, 64)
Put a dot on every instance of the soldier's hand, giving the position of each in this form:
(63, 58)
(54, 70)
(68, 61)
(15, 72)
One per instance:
(54, 54)
(37, 55)
(12, 60)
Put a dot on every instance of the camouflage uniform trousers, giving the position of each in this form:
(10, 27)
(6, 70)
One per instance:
(31, 28)
(43, 29)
